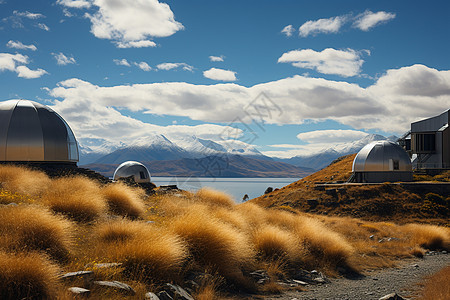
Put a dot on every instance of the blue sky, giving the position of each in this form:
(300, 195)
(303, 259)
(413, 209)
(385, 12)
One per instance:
(327, 71)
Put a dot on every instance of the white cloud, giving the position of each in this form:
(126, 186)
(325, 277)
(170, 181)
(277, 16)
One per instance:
(329, 61)
(28, 15)
(25, 72)
(368, 19)
(63, 60)
(288, 30)
(16, 62)
(143, 66)
(122, 62)
(131, 23)
(220, 74)
(43, 26)
(136, 44)
(331, 136)
(216, 58)
(171, 66)
(20, 45)
(331, 25)
(398, 98)
(75, 3)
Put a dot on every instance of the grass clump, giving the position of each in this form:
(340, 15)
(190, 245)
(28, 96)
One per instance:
(27, 276)
(214, 198)
(275, 243)
(76, 197)
(429, 236)
(124, 200)
(32, 228)
(436, 286)
(22, 180)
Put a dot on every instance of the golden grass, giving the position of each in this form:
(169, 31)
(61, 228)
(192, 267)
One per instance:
(124, 200)
(147, 252)
(274, 243)
(214, 197)
(27, 276)
(214, 243)
(436, 286)
(76, 197)
(23, 180)
(32, 228)
(429, 236)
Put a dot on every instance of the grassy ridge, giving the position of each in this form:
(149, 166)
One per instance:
(73, 223)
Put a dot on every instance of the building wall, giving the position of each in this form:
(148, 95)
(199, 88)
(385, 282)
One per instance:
(379, 177)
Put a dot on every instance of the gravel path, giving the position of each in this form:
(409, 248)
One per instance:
(375, 284)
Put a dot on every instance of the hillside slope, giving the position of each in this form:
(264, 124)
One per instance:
(399, 202)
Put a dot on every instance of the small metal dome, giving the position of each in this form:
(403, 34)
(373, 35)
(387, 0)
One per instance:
(132, 168)
(32, 132)
(382, 161)
(381, 156)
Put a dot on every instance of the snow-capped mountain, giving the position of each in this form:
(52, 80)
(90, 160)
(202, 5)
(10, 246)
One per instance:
(159, 147)
(323, 158)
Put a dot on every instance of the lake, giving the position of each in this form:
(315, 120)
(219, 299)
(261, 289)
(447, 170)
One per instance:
(236, 187)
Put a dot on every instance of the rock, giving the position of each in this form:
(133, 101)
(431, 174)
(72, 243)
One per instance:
(444, 252)
(392, 296)
(269, 190)
(177, 292)
(415, 265)
(299, 282)
(372, 237)
(107, 265)
(79, 291)
(88, 276)
(120, 286)
(163, 295)
(245, 198)
(12, 204)
(151, 296)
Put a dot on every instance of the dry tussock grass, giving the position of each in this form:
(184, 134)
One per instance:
(147, 252)
(436, 286)
(429, 236)
(76, 197)
(124, 200)
(27, 276)
(23, 180)
(213, 243)
(214, 198)
(32, 228)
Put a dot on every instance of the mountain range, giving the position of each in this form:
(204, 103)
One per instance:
(193, 156)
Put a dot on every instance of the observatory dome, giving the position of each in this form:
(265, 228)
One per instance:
(32, 132)
(382, 161)
(132, 168)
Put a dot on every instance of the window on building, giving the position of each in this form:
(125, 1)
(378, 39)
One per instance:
(142, 175)
(424, 142)
(396, 165)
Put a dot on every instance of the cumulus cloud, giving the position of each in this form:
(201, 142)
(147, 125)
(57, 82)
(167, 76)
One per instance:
(130, 24)
(288, 30)
(216, 58)
(143, 66)
(220, 74)
(331, 136)
(16, 63)
(28, 15)
(63, 60)
(330, 25)
(43, 26)
(329, 61)
(20, 45)
(75, 3)
(122, 62)
(368, 19)
(389, 105)
(136, 44)
(171, 66)
(25, 72)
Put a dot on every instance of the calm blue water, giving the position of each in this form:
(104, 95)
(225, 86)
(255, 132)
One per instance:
(236, 187)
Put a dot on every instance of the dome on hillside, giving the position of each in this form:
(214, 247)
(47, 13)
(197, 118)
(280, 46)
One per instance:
(132, 168)
(32, 132)
(382, 161)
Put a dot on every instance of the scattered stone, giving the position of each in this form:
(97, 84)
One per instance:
(392, 296)
(163, 295)
(372, 237)
(151, 296)
(12, 204)
(299, 282)
(79, 291)
(107, 265)
(88, 276)
(415, 265)
(269, 190)
(177, 292)
(122, 287)
(150, 222)
(260, 276)
(444, 252)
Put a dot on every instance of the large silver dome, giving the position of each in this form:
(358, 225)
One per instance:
(382, 161)
(132, 168)
(32, 132)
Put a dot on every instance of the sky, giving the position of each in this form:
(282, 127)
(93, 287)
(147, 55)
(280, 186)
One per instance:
(288, 77)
